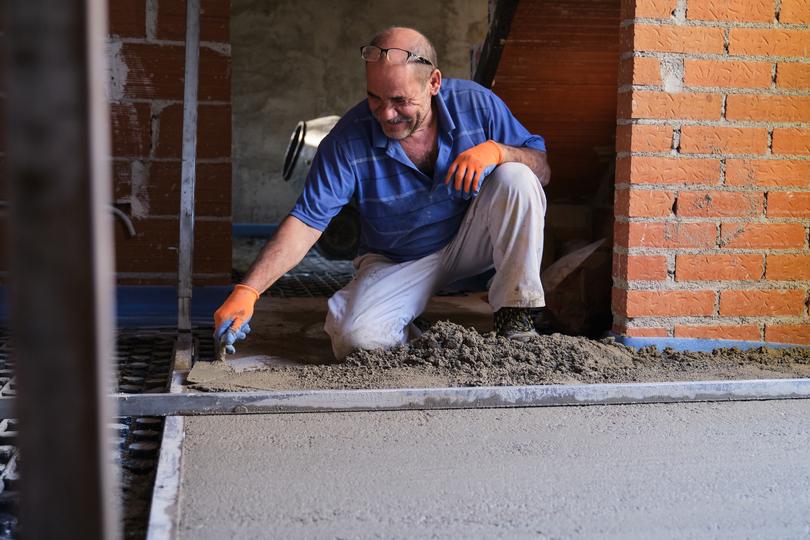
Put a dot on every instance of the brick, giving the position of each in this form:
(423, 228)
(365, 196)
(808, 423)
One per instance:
(648, 9)
(794, 12)
(665, 106)
(762, 302)
(792, 75)
(666, 170)
(720, 267)
(669, 303)
(644, 331)
(131, 127)
(767, 172)
(768, 108)
(723, 140)
(762, 235)
(639, 267)
(618, 301)
(665, 235)
(157, 72)
(212, 195)
(769, 42)
(214, 20)
(127, 18)
(789, 204)
(643, 138)
(732, 10)
(122, 180)
(737, 332)
(791, 141)
(719, 204)
(788, 333)
(214, 132)
(674, 39)
(711, 73)
(154, 248)
(640, 70)
(788, 267)
(644, 203)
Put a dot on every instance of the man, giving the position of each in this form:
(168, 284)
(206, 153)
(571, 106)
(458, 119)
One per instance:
(413, 156)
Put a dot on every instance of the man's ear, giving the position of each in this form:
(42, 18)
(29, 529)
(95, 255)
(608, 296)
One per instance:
(435, 82)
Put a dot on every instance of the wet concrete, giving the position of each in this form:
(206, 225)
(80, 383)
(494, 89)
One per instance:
(723, 470)
(288, 350)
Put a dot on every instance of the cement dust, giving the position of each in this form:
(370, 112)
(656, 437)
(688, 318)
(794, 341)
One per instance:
(451, 355)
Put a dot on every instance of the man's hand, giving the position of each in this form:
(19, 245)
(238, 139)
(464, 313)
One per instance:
(231, 319)
(469, 165)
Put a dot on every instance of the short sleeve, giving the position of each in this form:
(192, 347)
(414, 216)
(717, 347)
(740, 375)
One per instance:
(329, 186)
(506, 129)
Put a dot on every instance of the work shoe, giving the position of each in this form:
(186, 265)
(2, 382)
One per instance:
(515, 323)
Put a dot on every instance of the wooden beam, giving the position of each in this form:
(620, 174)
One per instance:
(61, 257)
(496, 39)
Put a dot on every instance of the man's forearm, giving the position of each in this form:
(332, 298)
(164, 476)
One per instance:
(281, 253)
(534, 159)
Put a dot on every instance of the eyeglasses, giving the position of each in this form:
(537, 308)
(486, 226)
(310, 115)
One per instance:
(372, 53)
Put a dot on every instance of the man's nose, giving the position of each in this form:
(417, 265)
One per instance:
(388, 112)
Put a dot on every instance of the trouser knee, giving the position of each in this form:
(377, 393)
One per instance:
(514, 178)
(349, 334)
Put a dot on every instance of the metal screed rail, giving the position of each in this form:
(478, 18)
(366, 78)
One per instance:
(210, 403)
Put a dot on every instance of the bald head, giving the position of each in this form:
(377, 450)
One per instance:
(408, 39)
(411, 40)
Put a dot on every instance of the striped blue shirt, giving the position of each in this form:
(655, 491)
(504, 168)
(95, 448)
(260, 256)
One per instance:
(404, 214)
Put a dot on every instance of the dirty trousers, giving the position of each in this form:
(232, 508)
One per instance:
(503, 227)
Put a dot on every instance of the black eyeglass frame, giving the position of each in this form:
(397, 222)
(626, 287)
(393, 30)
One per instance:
(412, 58)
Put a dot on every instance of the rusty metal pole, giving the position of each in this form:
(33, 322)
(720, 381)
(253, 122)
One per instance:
(61, 253)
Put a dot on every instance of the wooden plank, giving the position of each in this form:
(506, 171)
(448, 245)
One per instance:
(493, 45)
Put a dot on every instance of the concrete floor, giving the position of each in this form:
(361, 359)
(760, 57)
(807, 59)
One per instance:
(721, 470)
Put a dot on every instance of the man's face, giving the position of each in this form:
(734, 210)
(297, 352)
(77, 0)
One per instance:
(399, 98)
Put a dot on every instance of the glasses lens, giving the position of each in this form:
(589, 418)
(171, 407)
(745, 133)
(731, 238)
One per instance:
(398, 56)
(370, 53)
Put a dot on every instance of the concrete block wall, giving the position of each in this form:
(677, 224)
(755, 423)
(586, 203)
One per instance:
(146, 56)
(712, 198)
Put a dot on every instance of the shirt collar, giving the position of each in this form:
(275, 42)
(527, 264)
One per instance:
(445, 120)
(380, 140)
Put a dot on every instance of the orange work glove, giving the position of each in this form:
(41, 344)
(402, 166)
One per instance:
(232, 317)
(469, 165)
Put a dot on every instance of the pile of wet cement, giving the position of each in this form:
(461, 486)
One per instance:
(476, 359)
(449, 354)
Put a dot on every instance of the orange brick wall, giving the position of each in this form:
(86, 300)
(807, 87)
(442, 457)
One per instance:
(713, 170)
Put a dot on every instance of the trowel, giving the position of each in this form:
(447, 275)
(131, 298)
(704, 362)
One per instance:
(219, 356)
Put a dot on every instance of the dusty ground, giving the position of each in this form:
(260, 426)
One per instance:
(451, 355)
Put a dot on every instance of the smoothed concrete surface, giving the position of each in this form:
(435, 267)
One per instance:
(707, 470)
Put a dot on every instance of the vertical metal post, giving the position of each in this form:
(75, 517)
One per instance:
(61, 253)
(186, 248)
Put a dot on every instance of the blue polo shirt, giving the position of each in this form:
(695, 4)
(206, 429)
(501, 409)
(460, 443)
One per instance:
(404, 214)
